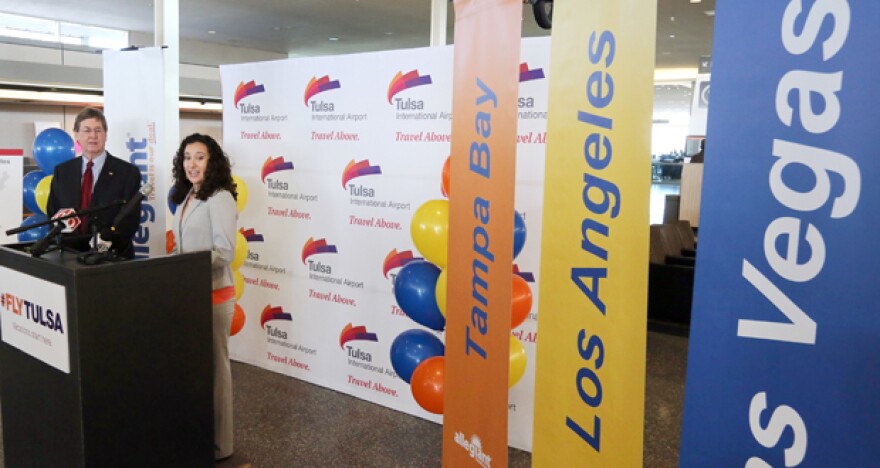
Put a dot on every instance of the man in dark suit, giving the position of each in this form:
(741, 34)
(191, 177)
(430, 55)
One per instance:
(111, 179)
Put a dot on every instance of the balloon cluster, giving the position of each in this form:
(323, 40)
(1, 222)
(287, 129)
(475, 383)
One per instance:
(418, 356)
(238, 258)
(52, 146)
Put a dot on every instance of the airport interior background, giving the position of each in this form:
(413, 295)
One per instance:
(50, 68)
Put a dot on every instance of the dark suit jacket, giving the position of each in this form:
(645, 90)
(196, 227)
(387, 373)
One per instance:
(118, 180)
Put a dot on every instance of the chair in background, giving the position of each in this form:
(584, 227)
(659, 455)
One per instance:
(670, 284)
(687, 237)
(671, 242)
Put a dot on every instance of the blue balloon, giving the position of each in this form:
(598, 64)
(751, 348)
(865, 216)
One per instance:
(52, 147)
(35, 233)
(412, 347)
(414, 290)
(29, 185)
(519, 233)
(171, 205)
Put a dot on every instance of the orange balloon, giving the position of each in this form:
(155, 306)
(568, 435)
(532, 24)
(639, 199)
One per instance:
(170, 244)
(427, 384)
(444, 187)
(521, 301)
(237, 320)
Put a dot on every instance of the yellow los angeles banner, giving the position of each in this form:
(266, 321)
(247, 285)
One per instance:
(482, 171)
(590, 374)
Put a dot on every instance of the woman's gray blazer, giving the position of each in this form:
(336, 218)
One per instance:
(209, 225)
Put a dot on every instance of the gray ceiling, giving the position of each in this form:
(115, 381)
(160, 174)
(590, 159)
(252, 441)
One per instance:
(304, 27)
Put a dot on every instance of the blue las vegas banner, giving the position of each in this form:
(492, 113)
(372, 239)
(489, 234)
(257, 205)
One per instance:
(784, 349)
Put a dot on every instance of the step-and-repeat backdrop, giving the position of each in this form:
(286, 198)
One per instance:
(337, 155)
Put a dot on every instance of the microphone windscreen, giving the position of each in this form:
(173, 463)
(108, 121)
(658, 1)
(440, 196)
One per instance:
(70, 224)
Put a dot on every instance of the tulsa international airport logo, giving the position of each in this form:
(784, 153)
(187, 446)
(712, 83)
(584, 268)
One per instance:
(401, 82)
(319, 85)
(528, 75)
(244, 90)
(273, 313)
(396, 259)
(273, 165)
(358, 169)
(314, 247)
(526, 275)
(359, 333)
(250, 235)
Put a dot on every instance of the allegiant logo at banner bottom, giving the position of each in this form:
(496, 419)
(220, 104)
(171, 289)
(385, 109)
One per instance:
(32, 311)
(474, 447)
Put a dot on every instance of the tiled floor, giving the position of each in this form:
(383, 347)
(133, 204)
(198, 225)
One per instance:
(283, 422)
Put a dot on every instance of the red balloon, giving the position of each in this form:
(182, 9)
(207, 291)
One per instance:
(521, 301)
(427, 384)
(237, 320)
(170, 243)
(444, 187)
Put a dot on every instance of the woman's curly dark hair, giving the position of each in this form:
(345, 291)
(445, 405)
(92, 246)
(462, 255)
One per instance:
(218, 175)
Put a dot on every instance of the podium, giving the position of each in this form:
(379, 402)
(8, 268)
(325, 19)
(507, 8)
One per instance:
(138, 390)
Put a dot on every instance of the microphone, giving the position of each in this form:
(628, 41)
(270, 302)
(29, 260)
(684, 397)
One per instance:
(69, 224)
(40, 247)
(126, 210)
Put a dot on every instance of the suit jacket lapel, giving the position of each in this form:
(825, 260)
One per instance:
(193, 204)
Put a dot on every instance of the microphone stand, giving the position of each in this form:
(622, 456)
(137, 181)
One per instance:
(96, 255)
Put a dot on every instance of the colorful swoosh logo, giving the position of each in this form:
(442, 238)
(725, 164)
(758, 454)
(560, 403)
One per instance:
(319, 85)
(244, 90)
(401, 82)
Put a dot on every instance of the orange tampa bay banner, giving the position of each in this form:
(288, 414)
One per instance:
(590, 374)
(484, 113)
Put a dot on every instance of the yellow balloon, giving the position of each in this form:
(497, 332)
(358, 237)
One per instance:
(242, 191)
(239, 284)
(430, 231)
(41, 192)
(518, 361)
(240, 251)
(440, 292)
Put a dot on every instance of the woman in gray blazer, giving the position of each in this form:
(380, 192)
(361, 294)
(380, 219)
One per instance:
(205, 220)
